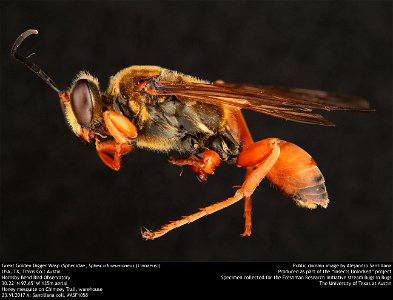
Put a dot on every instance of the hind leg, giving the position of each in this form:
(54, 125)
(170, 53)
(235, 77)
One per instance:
(269, 152)
(246, 140)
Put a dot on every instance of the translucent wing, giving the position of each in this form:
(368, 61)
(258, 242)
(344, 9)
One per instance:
(290, 104)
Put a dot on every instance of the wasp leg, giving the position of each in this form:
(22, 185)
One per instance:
(246, 140)
(271, 150)
(119, 127)
(112, 148)
(202, 167)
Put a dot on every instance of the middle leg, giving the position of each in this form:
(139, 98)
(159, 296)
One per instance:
(202, 167)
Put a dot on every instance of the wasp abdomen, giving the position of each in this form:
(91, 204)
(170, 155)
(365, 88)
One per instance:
(296, 174)
(312, 196)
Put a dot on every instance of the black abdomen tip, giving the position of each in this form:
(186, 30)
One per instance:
(313, 196)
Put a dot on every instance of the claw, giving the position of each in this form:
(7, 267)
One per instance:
(147, 234)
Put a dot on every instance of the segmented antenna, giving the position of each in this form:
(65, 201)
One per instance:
(28, 63)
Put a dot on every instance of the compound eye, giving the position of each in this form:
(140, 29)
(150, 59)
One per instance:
(82, 102)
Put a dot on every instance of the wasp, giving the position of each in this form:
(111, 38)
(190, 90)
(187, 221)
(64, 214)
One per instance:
(158, 109)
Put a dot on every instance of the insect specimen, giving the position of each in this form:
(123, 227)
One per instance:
(158, 109)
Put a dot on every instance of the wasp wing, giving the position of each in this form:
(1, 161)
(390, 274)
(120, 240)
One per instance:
(290, 104)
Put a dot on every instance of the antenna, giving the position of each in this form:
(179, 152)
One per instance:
(28, 63)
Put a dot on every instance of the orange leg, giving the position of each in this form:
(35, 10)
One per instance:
(119, 127)
(202, 167)
(270, 150)
(122, 130)
(112, 148)
(246, 140)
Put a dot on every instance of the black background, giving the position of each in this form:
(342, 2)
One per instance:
(60, 203)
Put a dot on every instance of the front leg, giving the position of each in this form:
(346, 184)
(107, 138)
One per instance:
(202, 167)
(122, 129)
(112, 148)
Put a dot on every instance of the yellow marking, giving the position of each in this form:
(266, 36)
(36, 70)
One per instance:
(70, 117)
(154, 143)
(85, 75)
(305, 204)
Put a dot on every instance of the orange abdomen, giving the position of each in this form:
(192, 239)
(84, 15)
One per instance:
(296, 174)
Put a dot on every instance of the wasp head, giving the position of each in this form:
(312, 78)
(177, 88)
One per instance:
(82, 105)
